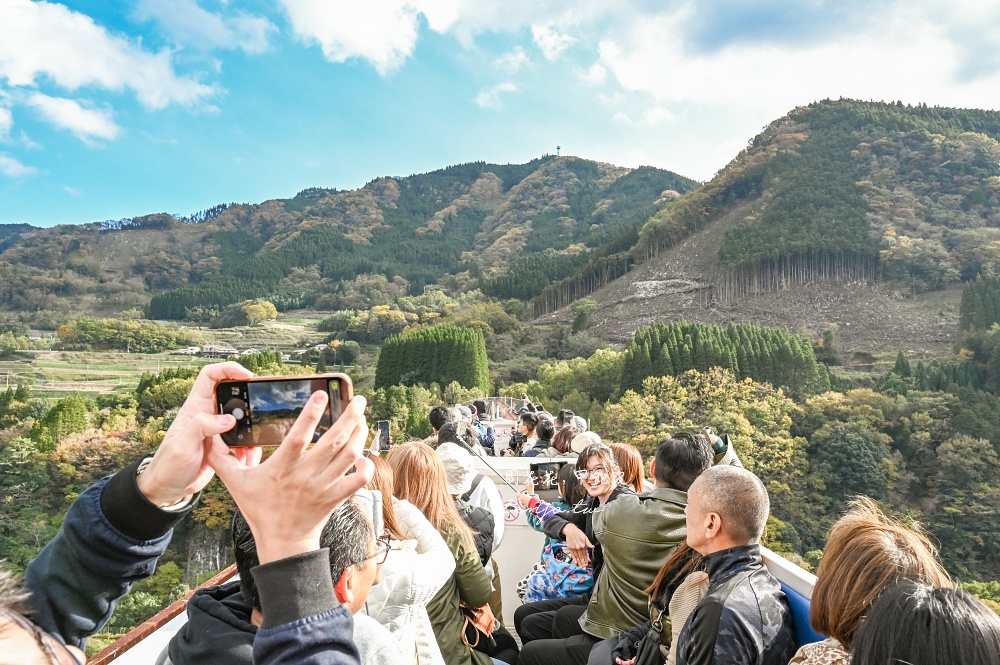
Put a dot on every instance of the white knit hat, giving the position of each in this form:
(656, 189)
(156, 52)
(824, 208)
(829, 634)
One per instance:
(584, 439)
(457, 467)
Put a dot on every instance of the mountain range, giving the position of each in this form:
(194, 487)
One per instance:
(886, 200)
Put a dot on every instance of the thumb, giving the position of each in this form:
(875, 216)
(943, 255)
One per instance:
(589, 544)
(206, 425)
(225, 465)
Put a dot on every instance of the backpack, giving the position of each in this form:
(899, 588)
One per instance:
(479, 520)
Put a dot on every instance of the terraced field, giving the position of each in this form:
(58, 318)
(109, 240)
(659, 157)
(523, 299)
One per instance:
(59, 373)
(55, 374)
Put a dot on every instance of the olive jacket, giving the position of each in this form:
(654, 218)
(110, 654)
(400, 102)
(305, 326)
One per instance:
(638, 533)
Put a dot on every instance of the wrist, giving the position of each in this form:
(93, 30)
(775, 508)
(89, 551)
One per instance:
(160, 497)
(276, 549)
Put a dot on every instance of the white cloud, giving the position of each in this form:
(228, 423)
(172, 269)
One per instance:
(44, 40)
(72, 191)
(85, 123)
(595, 75)
(383, 32)
(490, 98)
(192, 26)
(617, 98)
(550, 42)
(900, 57)
(6, 122)
(657, 115)
(12, 168)
(26, 141)
(514, 60)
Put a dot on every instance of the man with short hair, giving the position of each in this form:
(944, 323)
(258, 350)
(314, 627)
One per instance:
(525, 433)
(438, 416)
(638, 533)
(744, 619)
(223, 620)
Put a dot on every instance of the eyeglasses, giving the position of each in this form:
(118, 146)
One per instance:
(600, 474)
(382, 547)
(54, 650)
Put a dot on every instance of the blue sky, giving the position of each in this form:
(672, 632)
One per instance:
(116, 109)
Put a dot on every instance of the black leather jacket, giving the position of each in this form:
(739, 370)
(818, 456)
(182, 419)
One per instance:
(755, 627)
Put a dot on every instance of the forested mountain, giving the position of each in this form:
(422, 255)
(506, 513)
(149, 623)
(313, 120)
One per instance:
(473, 220)
(839, 210)
(854, 189)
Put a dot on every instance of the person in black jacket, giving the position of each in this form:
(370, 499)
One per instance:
(116, 530)
(744, 619)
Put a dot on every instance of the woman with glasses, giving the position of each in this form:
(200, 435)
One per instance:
(601, 479)
(420, 479)
(419, 563)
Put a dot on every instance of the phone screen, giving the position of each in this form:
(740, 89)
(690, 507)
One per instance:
(275, 406)
(265, 410)
(383, 435)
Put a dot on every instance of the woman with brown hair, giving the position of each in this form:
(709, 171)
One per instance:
(561, 445)
(866, 552)
(418, 564)
(420, 479)
(630, 462)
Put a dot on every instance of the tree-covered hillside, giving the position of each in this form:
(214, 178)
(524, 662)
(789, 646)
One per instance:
(472, 220)
(851, 190)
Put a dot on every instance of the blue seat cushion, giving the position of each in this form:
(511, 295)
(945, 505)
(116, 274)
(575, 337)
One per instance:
(799, 604)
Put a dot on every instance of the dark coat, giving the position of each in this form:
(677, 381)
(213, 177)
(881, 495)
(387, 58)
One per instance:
(755, 627)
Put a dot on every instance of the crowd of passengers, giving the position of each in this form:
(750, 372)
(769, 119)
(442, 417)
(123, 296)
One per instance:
(345, 557)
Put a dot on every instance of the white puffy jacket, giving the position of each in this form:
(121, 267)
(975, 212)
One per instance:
(413, 573)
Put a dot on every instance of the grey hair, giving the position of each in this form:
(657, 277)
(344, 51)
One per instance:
(739, 498)
(348, 535)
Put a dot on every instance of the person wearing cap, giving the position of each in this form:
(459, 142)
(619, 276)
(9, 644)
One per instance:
(584, 439)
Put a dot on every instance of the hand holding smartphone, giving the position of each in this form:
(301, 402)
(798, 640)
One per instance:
(382, 435)
(266, 407)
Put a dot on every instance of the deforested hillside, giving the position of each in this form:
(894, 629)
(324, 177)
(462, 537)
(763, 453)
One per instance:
(841, 213)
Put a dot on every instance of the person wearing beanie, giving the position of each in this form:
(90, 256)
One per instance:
(477, 491)
(584, 439)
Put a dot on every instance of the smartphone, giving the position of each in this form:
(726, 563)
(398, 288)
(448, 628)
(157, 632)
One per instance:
(265, 407)
(382, 429)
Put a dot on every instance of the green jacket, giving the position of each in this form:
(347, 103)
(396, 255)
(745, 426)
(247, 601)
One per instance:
(638, 533)
(468, 585)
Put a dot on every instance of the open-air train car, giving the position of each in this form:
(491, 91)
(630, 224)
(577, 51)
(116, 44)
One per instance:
(520, 548)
